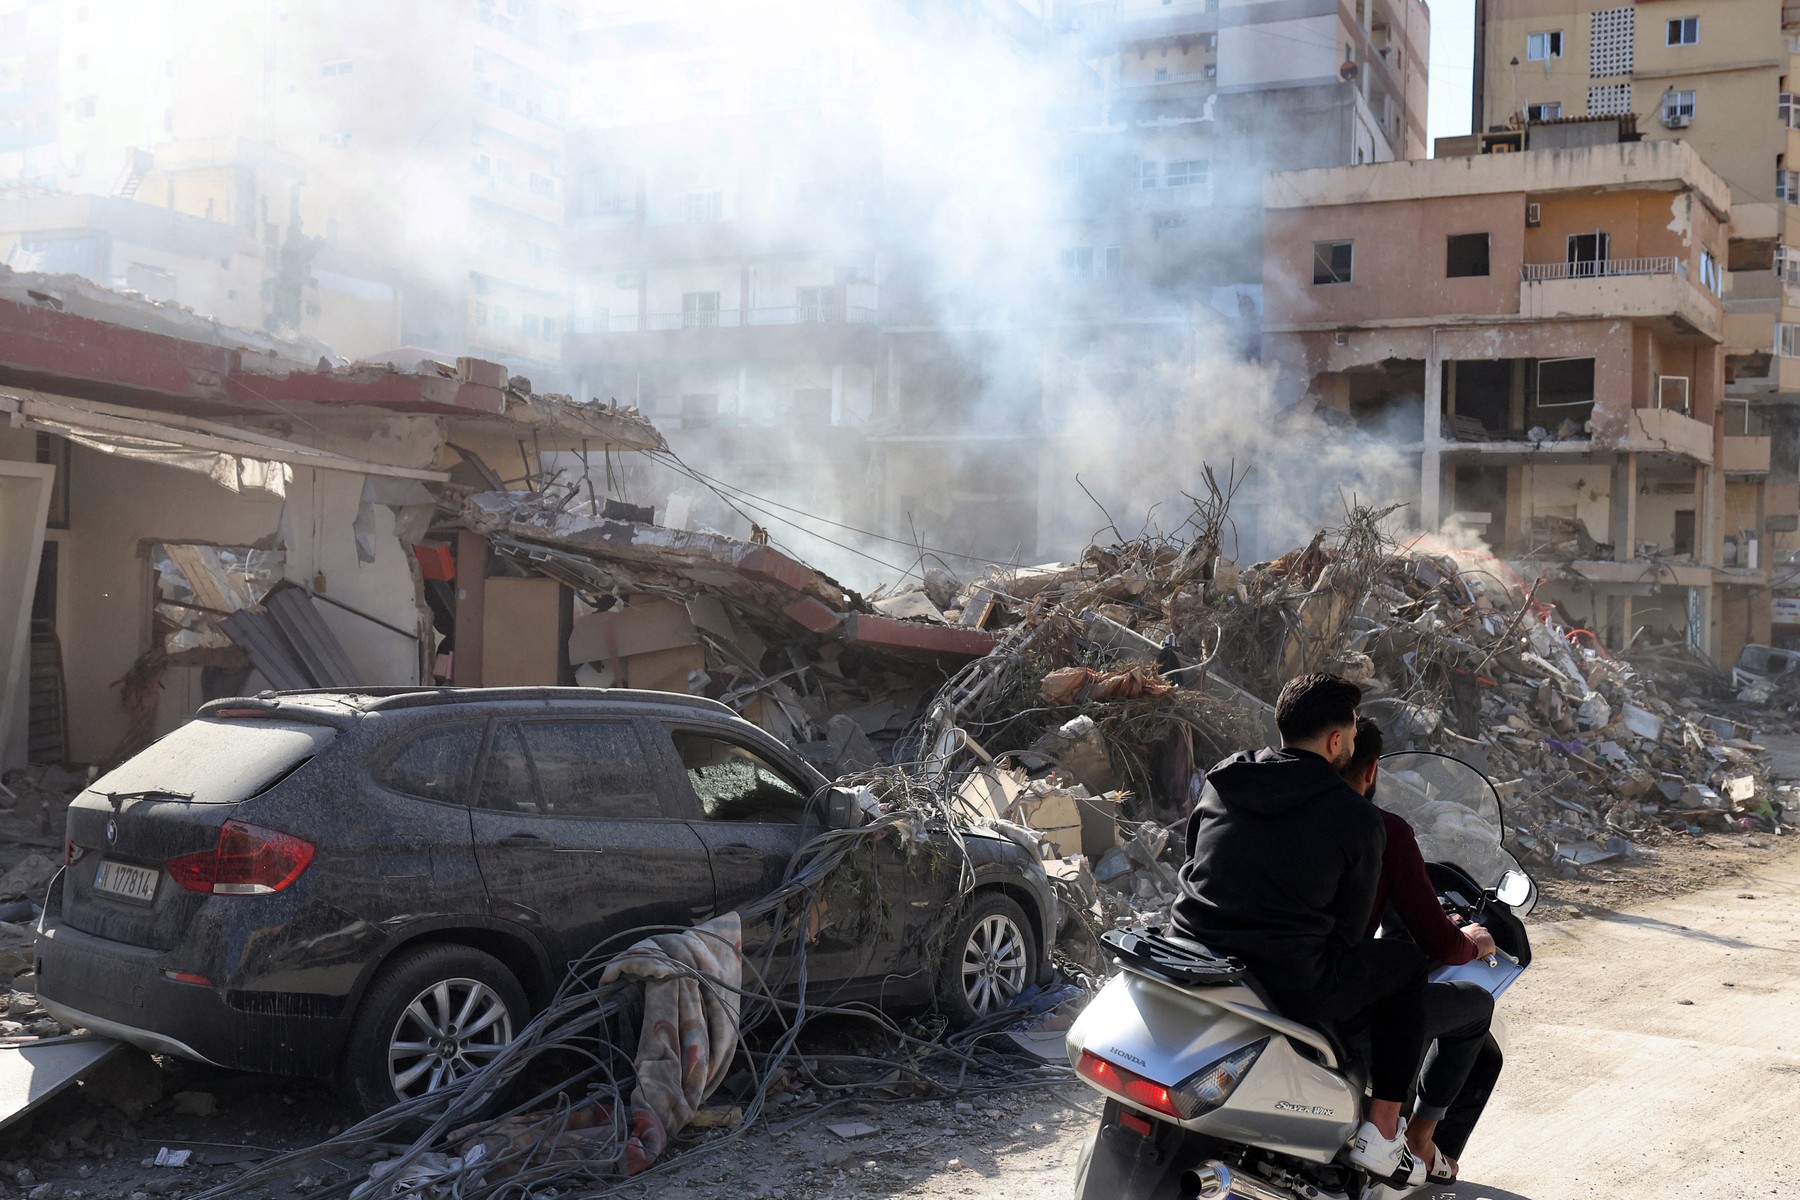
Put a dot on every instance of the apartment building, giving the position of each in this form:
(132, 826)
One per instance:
(397, 167)
(1545, 331)
(1199, 97)
(1720, 76)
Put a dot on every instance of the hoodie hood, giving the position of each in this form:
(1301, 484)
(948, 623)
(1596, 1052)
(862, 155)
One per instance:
(1273, 783)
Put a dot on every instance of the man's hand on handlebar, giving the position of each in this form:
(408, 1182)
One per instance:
(1484, 941)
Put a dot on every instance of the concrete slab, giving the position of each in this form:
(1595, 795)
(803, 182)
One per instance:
(32, 1072)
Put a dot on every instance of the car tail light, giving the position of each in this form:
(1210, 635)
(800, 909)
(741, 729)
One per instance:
(1201, 1092)
(248, 861)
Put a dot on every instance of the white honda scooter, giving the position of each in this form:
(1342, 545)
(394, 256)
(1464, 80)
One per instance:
(1211, 1093)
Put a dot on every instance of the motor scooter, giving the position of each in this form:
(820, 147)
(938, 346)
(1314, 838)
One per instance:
(1210, 1092)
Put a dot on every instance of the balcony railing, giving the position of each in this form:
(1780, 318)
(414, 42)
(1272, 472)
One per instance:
(731, 318)
(1605, 269)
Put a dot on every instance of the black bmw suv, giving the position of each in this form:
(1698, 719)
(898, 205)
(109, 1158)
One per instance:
(383, 885)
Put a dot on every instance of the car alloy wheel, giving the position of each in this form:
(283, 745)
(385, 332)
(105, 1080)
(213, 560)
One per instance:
(451, 1029)
(993, 963)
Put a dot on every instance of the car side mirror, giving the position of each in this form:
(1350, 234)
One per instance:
(844, 807)
(1513, 889)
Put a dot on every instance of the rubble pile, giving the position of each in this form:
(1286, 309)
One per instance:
(1117, 680)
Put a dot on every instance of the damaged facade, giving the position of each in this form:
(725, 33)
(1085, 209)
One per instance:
(1544, 330)
(163, 474)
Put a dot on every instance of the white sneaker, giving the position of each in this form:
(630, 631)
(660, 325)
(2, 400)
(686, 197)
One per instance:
(1386, 1159)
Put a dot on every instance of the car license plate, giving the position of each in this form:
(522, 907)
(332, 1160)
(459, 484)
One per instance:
(120, 879)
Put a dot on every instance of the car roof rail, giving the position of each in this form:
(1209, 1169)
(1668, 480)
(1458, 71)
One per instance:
(388, 697)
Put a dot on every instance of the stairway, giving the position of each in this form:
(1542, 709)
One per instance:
(49, 737)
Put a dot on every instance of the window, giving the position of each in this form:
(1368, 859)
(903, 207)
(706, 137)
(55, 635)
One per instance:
(1787, 186)
(499, 317)
(529, 325)
(703, 206)
(1193, 172)
(434, 765)
(1077, 263)
(1211, 71)
(1677, 106)
(1710, 277)
(1466, 255)
(1565, 382)
(1162, 74)
(342, 66)
(549, 327)
(1683, 539)
(1109, 263)
(1541, 47)
(481, 314)
(699, 310)
(1588, 254)
(1787, 112)
(1549, 111)
(735, 784)
(814, 304)
(542, 185)
(506, 779)
(700, 411)
(604, 192)
(1684, 31)
(1787, 340)
(1614, 42)
(1149, 172)
(1609, 100)
(85, 107)
(1331, 262)
(591, 769)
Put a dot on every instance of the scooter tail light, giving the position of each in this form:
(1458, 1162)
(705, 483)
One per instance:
(247, 861)
(1129, 1086)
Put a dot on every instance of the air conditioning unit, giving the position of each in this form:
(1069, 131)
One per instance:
(1675, 120)
(1533, 216)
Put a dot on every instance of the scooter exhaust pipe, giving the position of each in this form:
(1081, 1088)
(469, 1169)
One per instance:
(1215, 1180)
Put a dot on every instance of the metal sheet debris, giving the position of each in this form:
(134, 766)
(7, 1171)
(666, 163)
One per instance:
(32, 1072)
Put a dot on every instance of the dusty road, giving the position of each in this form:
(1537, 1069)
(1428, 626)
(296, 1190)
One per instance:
(1655, 1055)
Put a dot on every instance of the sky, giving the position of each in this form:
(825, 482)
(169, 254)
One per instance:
(1452, 67)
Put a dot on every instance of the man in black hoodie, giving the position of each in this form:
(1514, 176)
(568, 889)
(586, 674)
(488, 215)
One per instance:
(1283, 859)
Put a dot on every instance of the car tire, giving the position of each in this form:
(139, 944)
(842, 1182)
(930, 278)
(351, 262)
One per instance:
(988, 960)
(398, 1051)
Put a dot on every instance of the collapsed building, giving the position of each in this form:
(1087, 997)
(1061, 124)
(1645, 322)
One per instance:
(163, 475)
(1542, 332)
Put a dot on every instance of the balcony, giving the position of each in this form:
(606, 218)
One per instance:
(1652, 290)
(1746, 456)
(809, 332)
(1667, 431)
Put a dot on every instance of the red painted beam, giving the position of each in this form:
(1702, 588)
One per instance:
(42, 341)
(916, 637)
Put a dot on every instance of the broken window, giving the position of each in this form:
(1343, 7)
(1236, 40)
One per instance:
(1684, 31)
(591, 769)
(1710, 277)
(699, 310)
(735, 784)
(1331, 262)
(1548, 111)
(1466, 255)
(1540, 47)
(1683, 541)
(435, 765)
(197, 586)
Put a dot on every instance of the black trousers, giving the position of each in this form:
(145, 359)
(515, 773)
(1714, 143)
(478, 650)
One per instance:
(1453, 1133)
(1457, 1016)
(1378, 985)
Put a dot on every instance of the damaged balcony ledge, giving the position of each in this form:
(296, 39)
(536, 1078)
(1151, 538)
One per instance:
(1653, 292)
(1746, 455)
(1634, 573)
(1653, 431)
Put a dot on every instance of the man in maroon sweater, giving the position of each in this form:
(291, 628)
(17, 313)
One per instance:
(1461, 1069)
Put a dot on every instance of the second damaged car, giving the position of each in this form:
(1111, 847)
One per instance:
(384, 887)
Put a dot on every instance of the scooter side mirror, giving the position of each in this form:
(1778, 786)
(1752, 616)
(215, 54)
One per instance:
(1513, 889)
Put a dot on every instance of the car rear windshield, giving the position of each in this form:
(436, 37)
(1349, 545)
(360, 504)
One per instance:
(219, 761)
